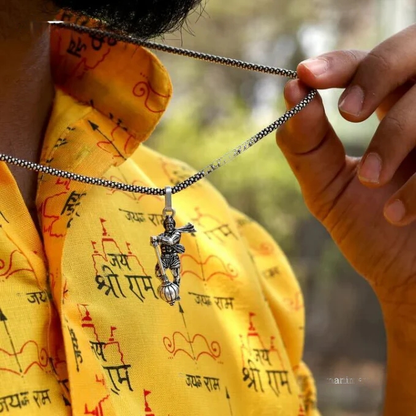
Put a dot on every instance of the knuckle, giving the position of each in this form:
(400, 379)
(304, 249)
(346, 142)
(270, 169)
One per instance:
(349, 57)
(354, 56)
(394, 125)
(379, 61)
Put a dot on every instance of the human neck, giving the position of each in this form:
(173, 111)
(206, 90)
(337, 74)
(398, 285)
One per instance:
(26, 90)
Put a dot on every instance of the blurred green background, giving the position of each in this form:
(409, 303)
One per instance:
(215, 108)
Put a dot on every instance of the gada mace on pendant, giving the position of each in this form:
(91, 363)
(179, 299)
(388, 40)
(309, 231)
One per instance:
(168, 256)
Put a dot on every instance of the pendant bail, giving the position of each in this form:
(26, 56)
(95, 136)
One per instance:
(168, 210)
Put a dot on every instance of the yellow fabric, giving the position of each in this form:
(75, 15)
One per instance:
(82, 329)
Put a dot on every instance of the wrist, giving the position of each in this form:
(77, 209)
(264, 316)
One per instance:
(400, 324)
(397, 301)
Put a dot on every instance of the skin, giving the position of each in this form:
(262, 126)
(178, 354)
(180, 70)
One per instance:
(26, 91)
(369, 214)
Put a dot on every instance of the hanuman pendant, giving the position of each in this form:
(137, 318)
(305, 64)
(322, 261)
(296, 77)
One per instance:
(168, 257)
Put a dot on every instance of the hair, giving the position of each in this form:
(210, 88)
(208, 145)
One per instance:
(141, 18)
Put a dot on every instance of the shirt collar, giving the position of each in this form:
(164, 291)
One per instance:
(125, 83)
(109, 98)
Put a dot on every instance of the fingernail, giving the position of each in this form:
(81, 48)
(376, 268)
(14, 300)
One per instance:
(317, 66)
(371, 168)
(353, 100)
(395, 211)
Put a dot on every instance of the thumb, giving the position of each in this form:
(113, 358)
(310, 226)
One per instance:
(314, 152)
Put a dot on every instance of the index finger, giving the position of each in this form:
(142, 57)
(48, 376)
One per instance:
(331, 70)
(370, 77)
(387, 67)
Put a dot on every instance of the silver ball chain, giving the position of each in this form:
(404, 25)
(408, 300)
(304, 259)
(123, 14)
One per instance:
(216, 164)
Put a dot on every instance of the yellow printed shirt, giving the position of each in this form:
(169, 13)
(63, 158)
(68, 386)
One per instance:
(83, 330)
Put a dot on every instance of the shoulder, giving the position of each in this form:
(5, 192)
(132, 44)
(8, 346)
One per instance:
(264, 249)
(278, 281)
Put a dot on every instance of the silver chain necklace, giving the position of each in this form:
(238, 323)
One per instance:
(168, 242)
(203, 173)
